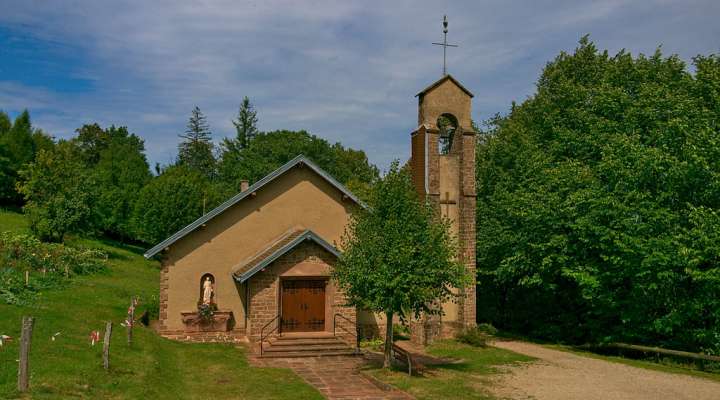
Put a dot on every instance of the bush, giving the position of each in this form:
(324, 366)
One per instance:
(400, 332)
(152, 306)
(487, 329)
(476, 336)
(48, 266)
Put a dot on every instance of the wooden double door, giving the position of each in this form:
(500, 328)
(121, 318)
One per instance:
(303, 305)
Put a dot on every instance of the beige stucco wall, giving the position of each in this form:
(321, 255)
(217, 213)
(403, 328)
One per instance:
(299, 199)
(450, 191)
(445, 98)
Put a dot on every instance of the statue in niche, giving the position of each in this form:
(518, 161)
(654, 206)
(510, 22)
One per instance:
(208, 291)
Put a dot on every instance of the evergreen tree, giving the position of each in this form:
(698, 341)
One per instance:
(18, 149)
(5, 123)
(196, 149)
(246, 124)
(7, 178)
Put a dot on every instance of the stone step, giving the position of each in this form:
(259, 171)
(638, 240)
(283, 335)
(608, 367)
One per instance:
(328, 347)
(306, 342)
(297, 354)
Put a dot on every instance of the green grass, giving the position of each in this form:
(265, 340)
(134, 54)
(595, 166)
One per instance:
(667, 365)
(468, 379)
(13, 222)
(153, 368)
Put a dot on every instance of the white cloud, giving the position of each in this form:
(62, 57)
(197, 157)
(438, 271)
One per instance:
(346, 71)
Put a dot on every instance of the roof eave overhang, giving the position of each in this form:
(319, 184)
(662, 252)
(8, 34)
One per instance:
(441, 80)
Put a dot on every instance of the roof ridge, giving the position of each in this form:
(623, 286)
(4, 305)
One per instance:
(299, 159)
(441, 80)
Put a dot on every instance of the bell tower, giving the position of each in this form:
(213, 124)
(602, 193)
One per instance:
(443, 171)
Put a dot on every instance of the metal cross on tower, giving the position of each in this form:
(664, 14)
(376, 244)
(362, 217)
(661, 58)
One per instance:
(445, 44)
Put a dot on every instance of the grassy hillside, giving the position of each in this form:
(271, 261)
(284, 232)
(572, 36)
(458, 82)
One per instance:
(154, 368)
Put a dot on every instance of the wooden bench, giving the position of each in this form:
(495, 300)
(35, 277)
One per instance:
(403, 355)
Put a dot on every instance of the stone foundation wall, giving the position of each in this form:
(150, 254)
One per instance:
(164, 276)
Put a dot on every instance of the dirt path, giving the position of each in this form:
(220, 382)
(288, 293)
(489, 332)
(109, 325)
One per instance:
(560, 375)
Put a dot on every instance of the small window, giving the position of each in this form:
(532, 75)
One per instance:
(207, 289)
(447, 125)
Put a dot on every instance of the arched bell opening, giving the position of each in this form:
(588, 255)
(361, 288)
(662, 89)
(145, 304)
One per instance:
(447, 126)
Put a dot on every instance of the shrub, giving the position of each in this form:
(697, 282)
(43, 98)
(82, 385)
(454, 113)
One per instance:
(48, 266)
(400, 331)
(152, 306)
(487, 329)
(476, 336)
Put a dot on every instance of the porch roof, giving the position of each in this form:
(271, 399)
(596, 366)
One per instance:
(280, 247)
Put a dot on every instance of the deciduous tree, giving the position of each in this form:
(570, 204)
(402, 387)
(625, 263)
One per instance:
(597, 199)
(398, 258)
(59, 193)
(169, 202)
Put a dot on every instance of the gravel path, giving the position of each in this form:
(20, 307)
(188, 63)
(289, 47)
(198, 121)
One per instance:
(560, 375)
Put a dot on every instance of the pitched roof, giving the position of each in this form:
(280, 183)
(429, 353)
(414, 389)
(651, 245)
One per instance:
(282, 246)
(299, 160)
(441, 80)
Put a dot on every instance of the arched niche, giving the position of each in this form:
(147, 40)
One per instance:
(447, 126)
(202, 288)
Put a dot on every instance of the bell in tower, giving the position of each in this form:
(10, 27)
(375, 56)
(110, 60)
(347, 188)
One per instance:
(443, 171)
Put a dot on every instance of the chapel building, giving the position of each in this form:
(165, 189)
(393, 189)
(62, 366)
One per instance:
(261, 261)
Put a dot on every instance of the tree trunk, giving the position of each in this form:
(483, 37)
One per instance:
(388, 339)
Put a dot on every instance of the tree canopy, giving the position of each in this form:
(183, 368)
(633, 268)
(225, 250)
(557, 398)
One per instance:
(169, 202)
(268, 151)
(398, 255)
(598, 203)
(60, 193)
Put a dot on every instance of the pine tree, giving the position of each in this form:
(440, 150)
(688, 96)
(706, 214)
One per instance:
(5, 123)
(196, 150)
(246, 124)
(17, 149)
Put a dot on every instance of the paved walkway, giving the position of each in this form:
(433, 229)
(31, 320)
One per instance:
(336, 377)
(559, 375)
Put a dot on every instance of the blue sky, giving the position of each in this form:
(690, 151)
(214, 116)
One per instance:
(346, 71)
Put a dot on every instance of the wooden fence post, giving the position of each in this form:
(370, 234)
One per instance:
(130, 320)
(106, 346)
(24, 367)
